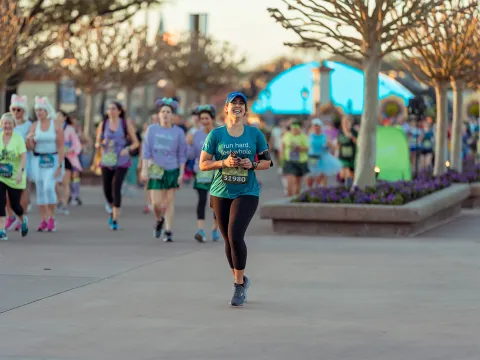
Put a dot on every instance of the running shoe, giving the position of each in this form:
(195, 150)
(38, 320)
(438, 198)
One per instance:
(146, 209)
(78, 201)
(11, 223)
(19, 226)
(110, 220)
(238, 298)
(63, 210)
(215, 235)
(52, 225)
(114, 225)
(43, 226)
(200, 236)
(168, 236)
(246, 285)
(157, 232)
(3, 235)
(24, 226)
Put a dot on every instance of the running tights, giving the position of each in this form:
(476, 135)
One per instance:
(14, 195)
(202, 203)
(233, 218)
(112, 185)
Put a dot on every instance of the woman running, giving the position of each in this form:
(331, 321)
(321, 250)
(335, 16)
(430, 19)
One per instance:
(19, 110)
(13, 180)
(295, 153)
(321, 162)
(46, 140)
(235, 192)
(347, 146)
(203, 179)
(163, 165)
(117, 138)
(72, 149)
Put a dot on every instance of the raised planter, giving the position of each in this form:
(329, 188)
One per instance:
(366, 220)
(473, 201)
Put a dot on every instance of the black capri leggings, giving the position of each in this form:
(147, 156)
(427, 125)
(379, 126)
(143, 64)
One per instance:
(112, 185)
(202, 203)
(14, 195)
(233, 218)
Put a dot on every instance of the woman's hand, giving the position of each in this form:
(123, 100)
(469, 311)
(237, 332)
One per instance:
(125, 151)
(189, 139)
(19, 177)
(144, 176)
(246, 163)
(232, 161)
(58, 172)
(180, 180)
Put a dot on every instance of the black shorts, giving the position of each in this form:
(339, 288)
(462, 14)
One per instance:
(68, 165)
(295, 168)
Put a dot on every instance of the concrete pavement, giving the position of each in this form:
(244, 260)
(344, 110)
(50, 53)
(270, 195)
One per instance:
(88, 293)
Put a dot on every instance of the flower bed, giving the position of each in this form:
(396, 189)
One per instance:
(385, 193)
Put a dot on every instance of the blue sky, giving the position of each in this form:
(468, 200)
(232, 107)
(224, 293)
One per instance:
(245, 24)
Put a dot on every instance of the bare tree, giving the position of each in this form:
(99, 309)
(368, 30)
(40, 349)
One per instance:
(451, 31)
(137, 61)
(376, 27)
(202, 64)
(94, 52)
(47, 21)
(10, 26)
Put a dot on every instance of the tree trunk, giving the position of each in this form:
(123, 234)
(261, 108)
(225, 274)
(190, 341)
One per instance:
(456, 157)
(367, 138)
(87, 126)
(2, 99)
(128, 101)
(441, 132)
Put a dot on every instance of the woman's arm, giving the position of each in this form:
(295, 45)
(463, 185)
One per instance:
(60, 145)
(23, 161)
(30, 143)
(207, 163)
(265, 161)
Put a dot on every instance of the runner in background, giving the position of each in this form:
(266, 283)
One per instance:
(46, 140)
(13, 179)
(194, 127)
(114, 134)
(163, 164)
(19, 110)
(203, 179)
(347, 149)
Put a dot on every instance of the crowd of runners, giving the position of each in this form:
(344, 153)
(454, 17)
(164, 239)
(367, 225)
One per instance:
(223, 161)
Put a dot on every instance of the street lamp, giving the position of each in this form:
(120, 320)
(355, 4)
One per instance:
(305, 93)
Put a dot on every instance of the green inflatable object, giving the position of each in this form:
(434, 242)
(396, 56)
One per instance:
(393, 154)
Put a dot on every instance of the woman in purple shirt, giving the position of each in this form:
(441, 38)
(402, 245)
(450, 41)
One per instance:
(203, 179)
(164, 155)
(117, 137)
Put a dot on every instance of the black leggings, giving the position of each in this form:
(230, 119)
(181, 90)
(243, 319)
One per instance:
(202, 203)
(233, 218)
(112, 185)
(14, 195)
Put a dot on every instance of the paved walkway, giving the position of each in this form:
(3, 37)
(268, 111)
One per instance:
(91, 294)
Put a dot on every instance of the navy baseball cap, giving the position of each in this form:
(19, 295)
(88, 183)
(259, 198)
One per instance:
(235, 94)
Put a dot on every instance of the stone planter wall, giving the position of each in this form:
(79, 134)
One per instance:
(473, 201)
(366, 220)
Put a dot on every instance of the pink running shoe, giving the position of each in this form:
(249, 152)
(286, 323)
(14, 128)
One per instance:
(11, 222)
(52, 225)
(43, 226)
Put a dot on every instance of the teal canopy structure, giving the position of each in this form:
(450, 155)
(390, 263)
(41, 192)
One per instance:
(291, 92)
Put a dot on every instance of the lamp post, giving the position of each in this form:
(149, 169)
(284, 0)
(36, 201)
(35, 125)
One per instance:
(305, 93)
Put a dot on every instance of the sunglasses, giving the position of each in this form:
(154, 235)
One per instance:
(17, 109)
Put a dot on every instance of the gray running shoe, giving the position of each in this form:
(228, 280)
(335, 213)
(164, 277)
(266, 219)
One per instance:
(158, 230)
(238, 298)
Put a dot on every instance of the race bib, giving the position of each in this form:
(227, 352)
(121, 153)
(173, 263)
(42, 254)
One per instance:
(109, 159)
(155, 172)
(235, 175)
(427, 144)
(204, 177)
(313, 161)
(6, 170)
(47, 161)
(346, 151)
(294, 156)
